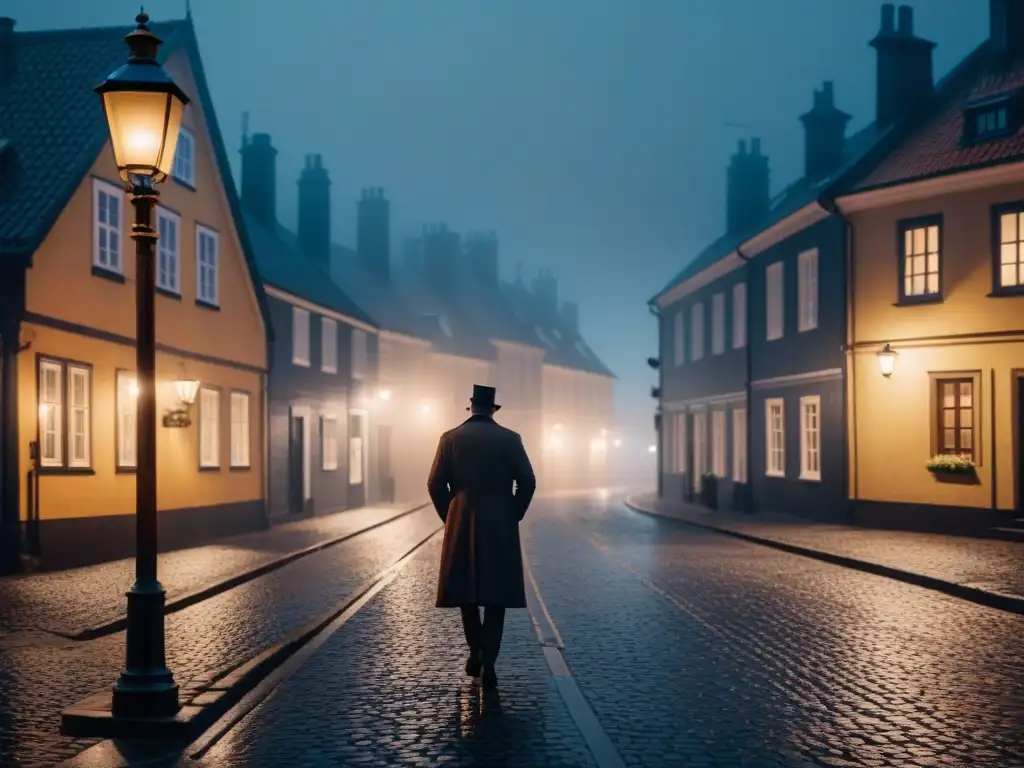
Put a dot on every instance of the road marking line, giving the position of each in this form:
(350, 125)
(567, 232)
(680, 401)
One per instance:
(266, 688)
(548, 635)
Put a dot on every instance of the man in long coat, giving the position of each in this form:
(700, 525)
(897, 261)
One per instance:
(471, 486)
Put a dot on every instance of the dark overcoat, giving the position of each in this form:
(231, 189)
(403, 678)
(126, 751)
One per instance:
(470, 485)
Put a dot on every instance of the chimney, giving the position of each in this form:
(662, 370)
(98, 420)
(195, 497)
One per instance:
(441, 252)
(824, 135)
(904, 66)
(373, 233)
(482, 254)
(1006, 26)
(315, 211)
(571, 317)
(545, 289)
(259, 177)
(747, 183)
(8, 51)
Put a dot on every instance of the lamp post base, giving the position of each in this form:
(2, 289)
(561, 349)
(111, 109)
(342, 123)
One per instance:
(146, 687)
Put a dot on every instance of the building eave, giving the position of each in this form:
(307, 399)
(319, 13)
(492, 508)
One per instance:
(309, 306)
(718, 270)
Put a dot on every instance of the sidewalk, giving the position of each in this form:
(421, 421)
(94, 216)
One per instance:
(986, 571)
(71, 601)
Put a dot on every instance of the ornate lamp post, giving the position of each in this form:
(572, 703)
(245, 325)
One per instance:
(143, 106)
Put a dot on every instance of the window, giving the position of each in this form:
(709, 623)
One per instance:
(360, 354)
(718, 324)
(209, 428)
(240, 430)
(355, 449)
(680, 443)
(773, 301)
(739, 315)
(206, 266)
(697, 331)
(678, 338)
(328, 345)
(107, 223)
(168, 272)
(329, 449)
(300, 336)
(185, 157)
(739, 445)
(65, 415)
(127, 419)
(700, 436)
(989, 120)
(807, 290)
(1010, 270)
(775, 432)
(810, 438)
(718, 443)
(956, 417)
(921, 248)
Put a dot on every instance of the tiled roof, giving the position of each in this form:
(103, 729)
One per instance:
(282, 265)
(933, 146)
(489, 307)
(55, 128)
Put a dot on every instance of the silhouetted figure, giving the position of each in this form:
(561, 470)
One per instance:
(470, 485)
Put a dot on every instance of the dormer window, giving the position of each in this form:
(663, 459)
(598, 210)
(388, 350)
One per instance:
(991, 119)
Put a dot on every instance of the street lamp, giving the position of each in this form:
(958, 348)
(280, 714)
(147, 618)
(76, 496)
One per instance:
(143, 107)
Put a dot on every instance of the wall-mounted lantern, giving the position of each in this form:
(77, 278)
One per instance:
(654, 362)
(180, 418)
(656, 392)
(384, 394)
(886, 361)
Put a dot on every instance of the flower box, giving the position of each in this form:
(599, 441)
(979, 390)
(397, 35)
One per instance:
(951, 468)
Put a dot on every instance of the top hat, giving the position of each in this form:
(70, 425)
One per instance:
(484, 396)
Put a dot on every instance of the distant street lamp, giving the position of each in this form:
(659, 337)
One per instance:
(143, 107)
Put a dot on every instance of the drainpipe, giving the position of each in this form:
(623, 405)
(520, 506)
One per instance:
(849, 409)
(659, 442)
(12, 306)
(748, 386)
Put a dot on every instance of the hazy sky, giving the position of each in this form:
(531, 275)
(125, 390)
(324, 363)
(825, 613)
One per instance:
(593, 135)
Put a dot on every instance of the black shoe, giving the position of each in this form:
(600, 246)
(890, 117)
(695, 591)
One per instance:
(473, 664)
(489, 679)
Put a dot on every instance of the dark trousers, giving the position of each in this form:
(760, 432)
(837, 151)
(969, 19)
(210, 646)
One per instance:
(484, 637)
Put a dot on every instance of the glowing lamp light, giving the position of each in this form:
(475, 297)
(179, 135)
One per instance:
(133, 389)
(384, 394)
(652, 449)
(143, 106)
(556, 442)
(187, 390)
(558, 427)
(617, 443)
(426, 409)
(886, 361)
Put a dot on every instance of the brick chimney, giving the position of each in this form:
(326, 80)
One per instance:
(1006, 26)
(482, 255)
(571, 317)
(545, 289)
(259, 177)
(315, 211)
(747, 184)
(441, 256)
(824, 135)
(373, 232)
(8, 50)
(904, 66)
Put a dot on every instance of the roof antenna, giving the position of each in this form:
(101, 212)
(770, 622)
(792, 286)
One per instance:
(245, 129)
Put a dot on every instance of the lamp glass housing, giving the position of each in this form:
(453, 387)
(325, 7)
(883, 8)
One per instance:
(886, 361)
(144, 127)
(187, 390)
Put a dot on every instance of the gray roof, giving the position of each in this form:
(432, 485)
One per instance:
(378, 296)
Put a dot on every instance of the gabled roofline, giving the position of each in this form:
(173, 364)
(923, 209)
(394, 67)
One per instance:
(311, 306)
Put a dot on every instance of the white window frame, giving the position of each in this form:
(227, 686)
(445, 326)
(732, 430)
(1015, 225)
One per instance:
(114, 233)
(1011, 249)
(171, 251)
(328, 345)
(679, 339)
(357, 458)
(300, 337)
(810, 437)
(807, 290)
(360, 354)
(329, 442)
(184, 168)
(922, 258)
(51, 403)
(718, 443)
(680, 443)
(774, 301)
(718, 324)
(241, 416)
(739, 316)
(775, 457)
(84, 459)
(700, 447)
(207, 266)
(697, 331)
(739, 445)
(127, 407)
(209, 428)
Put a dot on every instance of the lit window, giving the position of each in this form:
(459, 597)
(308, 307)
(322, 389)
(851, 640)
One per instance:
(956, 417)
(328, 345)
(807, 290)
(185, 157)
(209, 428)
(207, 262)
(700, 448)
(300, 336)
(679, 449)
(107, 226)
(329, 449)
(718, 443)
(168, 272)
(810, 438)
(921, 244)
(775, 433)
(739, 445)
(51, 413)
(127, 419)
(239, 430)
(1011, 250)
(65, 414)
(773, 301)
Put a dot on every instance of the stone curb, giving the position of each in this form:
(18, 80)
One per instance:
(1009, 603)
(114, 626)
(91, 718)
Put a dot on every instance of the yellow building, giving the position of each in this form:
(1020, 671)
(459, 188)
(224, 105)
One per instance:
(936, 321)
(69, 314)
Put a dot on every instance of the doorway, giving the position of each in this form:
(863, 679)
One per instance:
(296, 464)
(1020, 443)
(356, 459)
